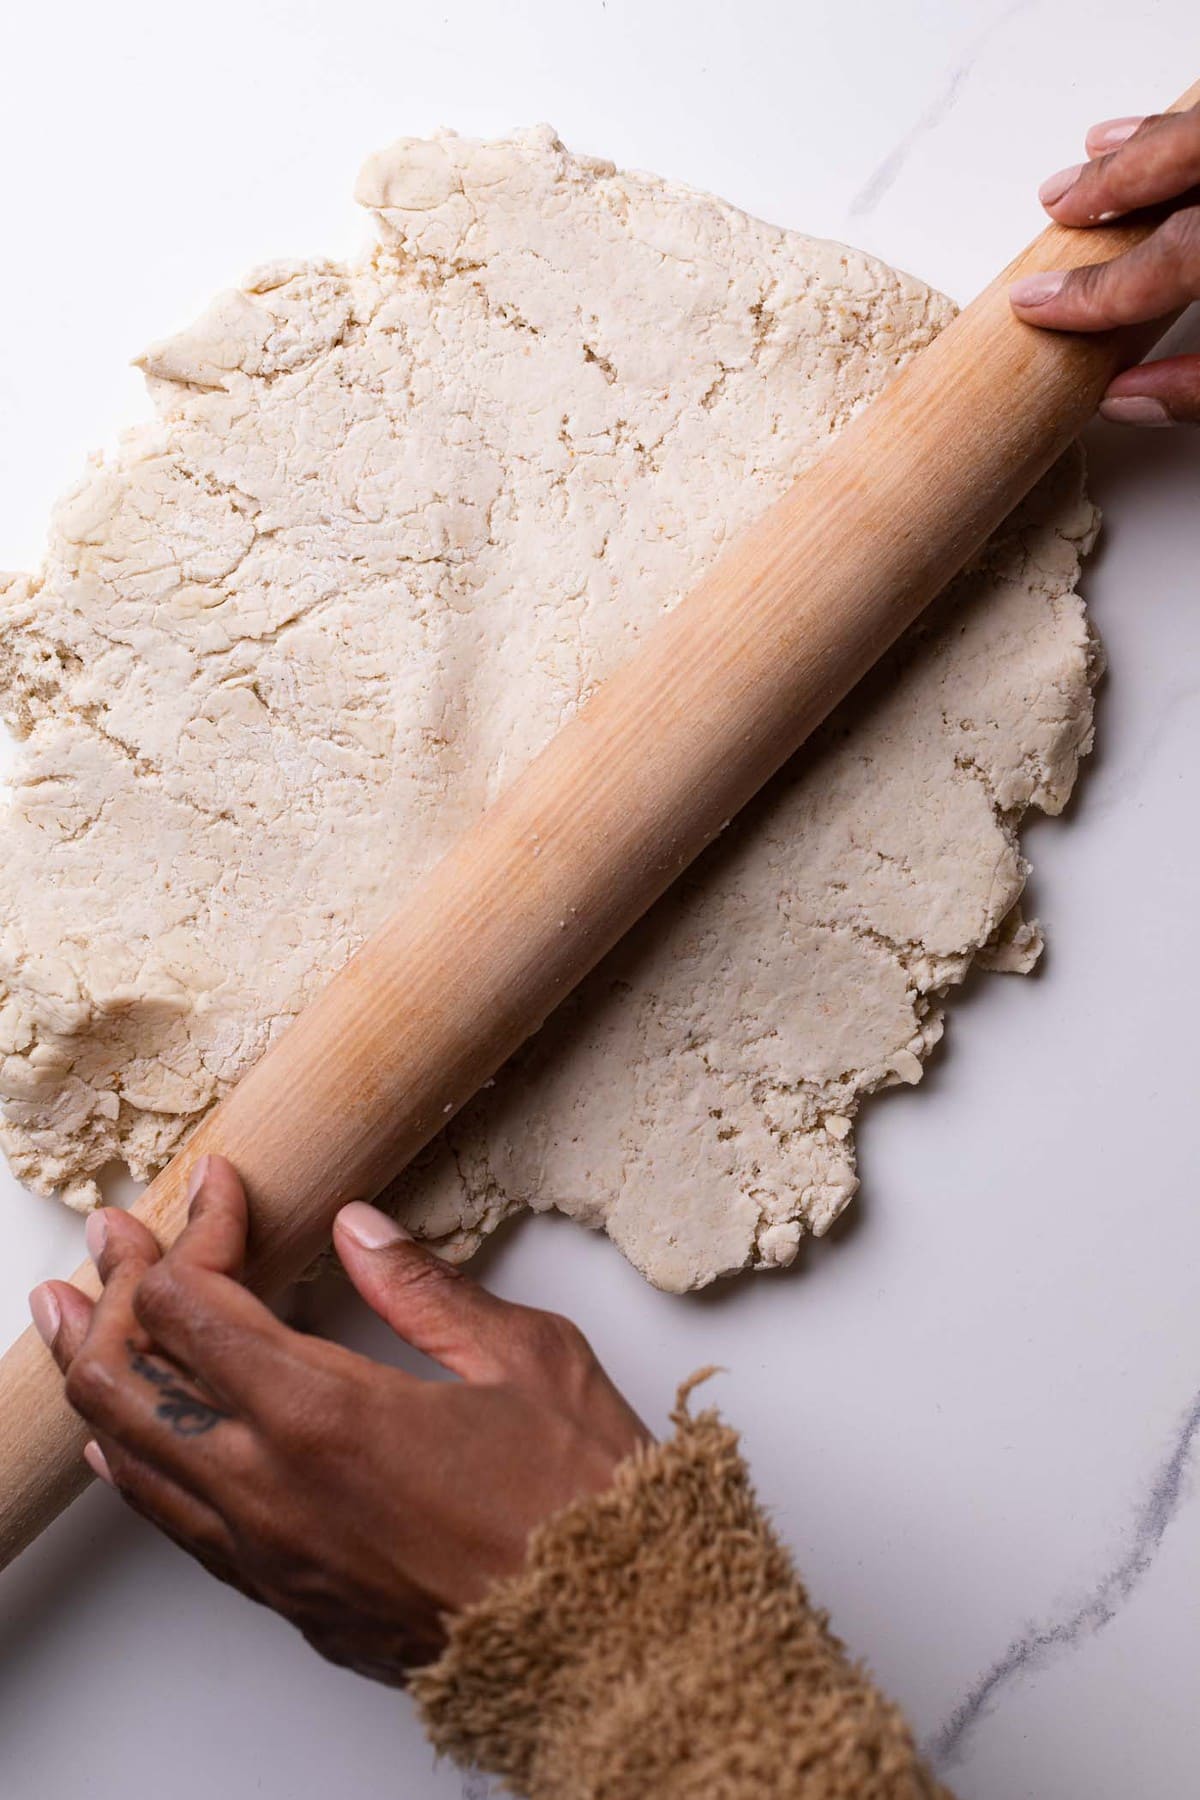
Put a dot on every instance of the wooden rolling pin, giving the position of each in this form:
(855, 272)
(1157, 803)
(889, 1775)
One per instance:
(721, 692)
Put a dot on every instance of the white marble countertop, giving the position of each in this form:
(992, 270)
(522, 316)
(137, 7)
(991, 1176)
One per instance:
(975, 1407)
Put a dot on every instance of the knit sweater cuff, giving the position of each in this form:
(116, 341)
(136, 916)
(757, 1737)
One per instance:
(659, 1642)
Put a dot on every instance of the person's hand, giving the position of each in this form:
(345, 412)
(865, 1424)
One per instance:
(1133, 163)
(364, 1504)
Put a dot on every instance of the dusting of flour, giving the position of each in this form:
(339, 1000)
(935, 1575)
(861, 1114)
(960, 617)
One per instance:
(393, 522)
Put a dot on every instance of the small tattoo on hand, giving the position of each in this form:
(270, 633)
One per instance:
(188, 1414)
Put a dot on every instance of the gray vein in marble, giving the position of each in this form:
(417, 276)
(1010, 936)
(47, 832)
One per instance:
(882, 178)
(1041, 1644)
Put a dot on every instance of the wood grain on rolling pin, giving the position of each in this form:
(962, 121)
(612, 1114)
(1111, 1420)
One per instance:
(718, 696)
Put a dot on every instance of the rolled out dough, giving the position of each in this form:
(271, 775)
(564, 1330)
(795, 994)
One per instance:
(392, 523)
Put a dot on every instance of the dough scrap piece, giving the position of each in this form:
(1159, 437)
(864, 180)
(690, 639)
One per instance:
(393, 522)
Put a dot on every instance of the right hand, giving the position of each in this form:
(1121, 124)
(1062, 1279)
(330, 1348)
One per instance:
(1133, 163)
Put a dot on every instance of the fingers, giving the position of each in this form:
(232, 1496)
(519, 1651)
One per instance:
(191, 1521)
(147, 1411)
(98, 1375)
(1158, 161)
(215, 1235)
(1110, 134)
(70, 1323)
(114, 1236)
(427, 1302)
(154, 1422)
(1166, 392)
(129, 1393)
(214, 1328)
(62, 1316)
(1133, 164)
(67, 1321)
(191, 1304)
(430, 1304)
(1157, 278)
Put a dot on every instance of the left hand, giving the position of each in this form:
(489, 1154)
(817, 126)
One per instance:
(1132, 164)
(364, 1504)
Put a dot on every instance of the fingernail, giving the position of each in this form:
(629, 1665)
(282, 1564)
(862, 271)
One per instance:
(1110, 133)
(1135, 409)
(95, 1233)
(370, 1228)
(46, 1313)
(1035, 290)
(197, 1178)
(1055, 186)
(97, 1462)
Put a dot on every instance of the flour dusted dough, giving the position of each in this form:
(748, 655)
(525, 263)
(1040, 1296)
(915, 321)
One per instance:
(392, 523)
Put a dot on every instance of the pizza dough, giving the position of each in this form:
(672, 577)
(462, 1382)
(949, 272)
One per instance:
(392, 523)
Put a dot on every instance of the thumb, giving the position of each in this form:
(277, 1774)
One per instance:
(426, 1301)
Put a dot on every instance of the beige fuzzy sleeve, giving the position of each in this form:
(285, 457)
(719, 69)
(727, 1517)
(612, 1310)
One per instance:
(658, 1642)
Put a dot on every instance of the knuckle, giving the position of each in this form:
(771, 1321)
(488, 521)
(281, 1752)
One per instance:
(1179, 235)
(1116, 182)
(1096, 294)
(425, 1285)
(258, 1533)
(124, 1472)
(551, 1338)
(316, 1421)
(427, 1273)
(88, 1384)
(241, 1463)
(1091, 283)
(164, 1292)
(129, 1474)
